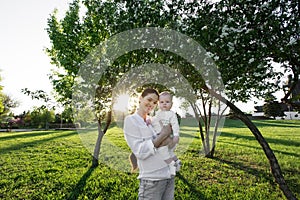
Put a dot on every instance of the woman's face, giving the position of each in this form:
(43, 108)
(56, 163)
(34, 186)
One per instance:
(148, 102)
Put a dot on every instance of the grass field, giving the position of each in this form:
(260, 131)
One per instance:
(56, 165)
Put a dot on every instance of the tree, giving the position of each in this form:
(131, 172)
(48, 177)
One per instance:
(44, 112)
(8, 103)
(258, 33)
(237, 36)
(273, 109)
(40, 117)
(83, 37)
(1, 99)
(255, 33)
(67, 115)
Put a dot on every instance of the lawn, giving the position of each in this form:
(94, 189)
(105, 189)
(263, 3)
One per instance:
(57, 164)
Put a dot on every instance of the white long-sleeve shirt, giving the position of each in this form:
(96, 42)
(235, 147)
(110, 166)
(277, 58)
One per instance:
(139, 137)
(166, 117)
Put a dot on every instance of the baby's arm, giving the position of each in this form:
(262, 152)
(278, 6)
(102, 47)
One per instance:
(175, 129)
(174, 124)
(176, 139)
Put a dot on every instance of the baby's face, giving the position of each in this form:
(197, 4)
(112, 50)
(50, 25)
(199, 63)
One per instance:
(165, 102)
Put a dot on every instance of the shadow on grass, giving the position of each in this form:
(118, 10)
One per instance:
(26, 134)
(255, 147)
(79, 187)
(275, 123)
(192, 187)
(35, 142)
(236, 123)
(248, 169)
(185, 135)
(233, 123)
(292, 182)
(269, 140)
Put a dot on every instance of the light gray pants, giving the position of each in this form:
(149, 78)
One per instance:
(157, 190)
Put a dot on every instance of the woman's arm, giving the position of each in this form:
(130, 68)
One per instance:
(167, 142)
(163, 137)
(142, 147)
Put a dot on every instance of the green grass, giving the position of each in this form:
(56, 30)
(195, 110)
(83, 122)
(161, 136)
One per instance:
(57, 164)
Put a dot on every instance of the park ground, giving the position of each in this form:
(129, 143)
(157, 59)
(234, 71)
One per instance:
(56, 165)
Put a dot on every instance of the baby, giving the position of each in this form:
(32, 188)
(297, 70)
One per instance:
(163, 117)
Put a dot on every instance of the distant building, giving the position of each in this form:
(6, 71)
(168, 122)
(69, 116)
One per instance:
(288, 113)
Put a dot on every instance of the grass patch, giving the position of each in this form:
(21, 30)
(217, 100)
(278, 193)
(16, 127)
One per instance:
(57, 164)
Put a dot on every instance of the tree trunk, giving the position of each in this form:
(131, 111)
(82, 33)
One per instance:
(101, 133)
(275, 168)
(95, 161)
(214, 141)
(197, 115)
(295, 71)
(219, 118)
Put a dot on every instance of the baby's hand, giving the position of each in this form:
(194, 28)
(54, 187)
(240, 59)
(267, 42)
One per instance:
(148, 121)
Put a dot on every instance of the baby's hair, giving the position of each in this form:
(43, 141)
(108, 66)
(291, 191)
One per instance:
(166, 93)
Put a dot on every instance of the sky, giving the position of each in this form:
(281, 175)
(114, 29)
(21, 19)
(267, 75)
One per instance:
(23, 39)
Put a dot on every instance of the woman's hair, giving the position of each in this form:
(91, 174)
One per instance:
(149, 91)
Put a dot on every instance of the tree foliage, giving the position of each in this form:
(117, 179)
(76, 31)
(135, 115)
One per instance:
(6, 103)
(44, 112)
(40, 117)
(1, 99)
(236, 35)
(243, 38)
(273, 109)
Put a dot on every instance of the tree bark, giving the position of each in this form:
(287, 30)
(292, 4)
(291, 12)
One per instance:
(206, 151)
(101, 133)
(274, 165)
(292, 86)
(95, 161)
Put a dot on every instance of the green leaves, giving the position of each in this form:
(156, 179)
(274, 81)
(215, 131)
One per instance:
(242, 39)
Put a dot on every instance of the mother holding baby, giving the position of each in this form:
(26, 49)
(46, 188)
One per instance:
(156, 181)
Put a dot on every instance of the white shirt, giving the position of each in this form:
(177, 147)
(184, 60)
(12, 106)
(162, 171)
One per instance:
(166, 117)
(139, 137)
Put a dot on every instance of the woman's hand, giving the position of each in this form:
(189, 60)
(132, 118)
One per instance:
(164, 133)
(167, 142)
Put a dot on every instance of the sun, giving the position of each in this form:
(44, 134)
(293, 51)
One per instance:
(121, 103)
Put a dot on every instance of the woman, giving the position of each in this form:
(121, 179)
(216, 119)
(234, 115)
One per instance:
(156, 181)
